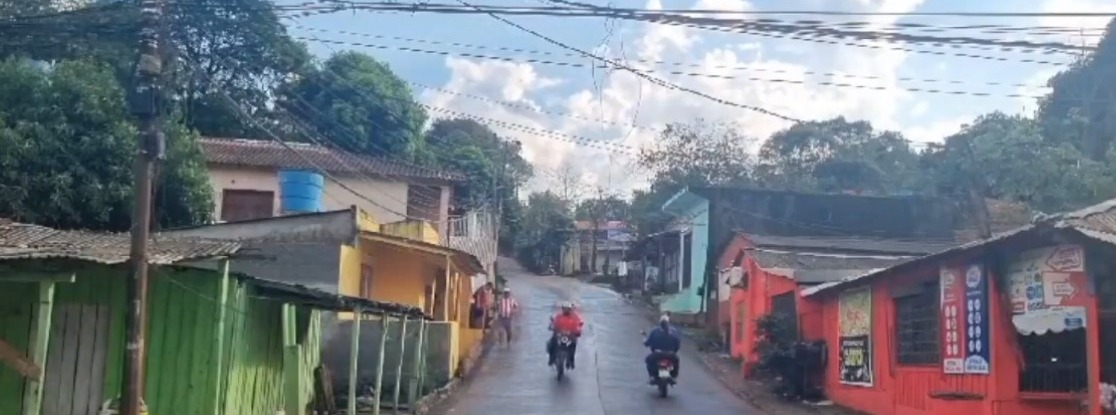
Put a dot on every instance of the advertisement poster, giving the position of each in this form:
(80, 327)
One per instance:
(856, 333)
(1047, 289)
(964, 320)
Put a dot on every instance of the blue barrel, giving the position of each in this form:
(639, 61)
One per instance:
(300, 191)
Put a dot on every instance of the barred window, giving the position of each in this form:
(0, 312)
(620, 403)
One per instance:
(916, 326)
(1053, 362)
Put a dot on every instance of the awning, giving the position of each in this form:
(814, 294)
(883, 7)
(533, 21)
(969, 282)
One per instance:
(465, 262)
(1049, 320)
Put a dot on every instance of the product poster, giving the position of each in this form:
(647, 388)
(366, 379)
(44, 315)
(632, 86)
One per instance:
(1047, 288)
(966, 338)
(856, 334)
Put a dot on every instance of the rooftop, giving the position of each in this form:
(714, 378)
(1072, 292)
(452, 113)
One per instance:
(1097, 222)
(26, 241)
(264, 153)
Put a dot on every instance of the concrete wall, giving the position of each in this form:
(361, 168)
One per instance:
(440, 358)
(390, 196)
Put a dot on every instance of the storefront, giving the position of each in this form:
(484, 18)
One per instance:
(1006, 326)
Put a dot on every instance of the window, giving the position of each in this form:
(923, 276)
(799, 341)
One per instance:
(239, 205)
(1053, 362)
(916, 325)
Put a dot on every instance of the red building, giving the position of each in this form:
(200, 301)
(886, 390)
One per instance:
(1011, 325)
(761, 274)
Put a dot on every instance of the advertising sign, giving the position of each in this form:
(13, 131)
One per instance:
(965, 334)
(856, 334)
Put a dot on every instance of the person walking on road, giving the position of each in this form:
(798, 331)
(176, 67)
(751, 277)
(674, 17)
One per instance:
(506, 309)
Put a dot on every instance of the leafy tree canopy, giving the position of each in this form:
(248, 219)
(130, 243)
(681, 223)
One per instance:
(67, 143)
(361, 105)
(547, 226)
(1081, 107)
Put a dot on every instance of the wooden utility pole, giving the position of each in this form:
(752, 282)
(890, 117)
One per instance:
(144, 102)
(976, 195)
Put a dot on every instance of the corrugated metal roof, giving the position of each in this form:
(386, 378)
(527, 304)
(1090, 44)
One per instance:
(320, 299)
(853, 244)
(1097, 222)
(26, 241)
(822, 261)
(265, 153)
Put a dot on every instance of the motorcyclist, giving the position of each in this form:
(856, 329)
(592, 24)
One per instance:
(568, 322)
(664, 344)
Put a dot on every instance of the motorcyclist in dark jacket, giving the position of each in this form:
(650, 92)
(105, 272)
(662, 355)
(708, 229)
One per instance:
(664, 344)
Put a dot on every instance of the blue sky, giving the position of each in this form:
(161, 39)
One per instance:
(621, 99)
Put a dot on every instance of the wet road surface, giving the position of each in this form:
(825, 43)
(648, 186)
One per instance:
(610, 378)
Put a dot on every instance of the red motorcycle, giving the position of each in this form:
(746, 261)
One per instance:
(664, 380)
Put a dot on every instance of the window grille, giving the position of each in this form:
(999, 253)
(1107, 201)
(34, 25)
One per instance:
(1053, 362)
(916, 327)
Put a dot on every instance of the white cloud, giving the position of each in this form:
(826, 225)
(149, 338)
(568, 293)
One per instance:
(1089, 24)
(623, 98)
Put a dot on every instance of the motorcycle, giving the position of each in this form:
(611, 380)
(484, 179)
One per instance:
(664, 380)
(562, 355)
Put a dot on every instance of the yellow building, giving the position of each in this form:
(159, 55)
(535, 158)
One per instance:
(349, 253)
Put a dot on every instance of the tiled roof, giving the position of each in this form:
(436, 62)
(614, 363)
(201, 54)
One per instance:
(263, 153)
(24, 241)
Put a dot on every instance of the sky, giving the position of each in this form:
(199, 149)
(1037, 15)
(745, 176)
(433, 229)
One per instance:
(561, 114)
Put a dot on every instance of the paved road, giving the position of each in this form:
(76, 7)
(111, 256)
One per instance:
(610, 378)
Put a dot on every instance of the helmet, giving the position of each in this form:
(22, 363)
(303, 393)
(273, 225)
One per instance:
(565, 305)
(507, 289)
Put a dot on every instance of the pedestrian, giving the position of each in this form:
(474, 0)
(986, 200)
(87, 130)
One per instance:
(506, 309)
(483, 301)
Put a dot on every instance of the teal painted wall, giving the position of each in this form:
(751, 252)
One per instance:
(181, 362)
(689, 300)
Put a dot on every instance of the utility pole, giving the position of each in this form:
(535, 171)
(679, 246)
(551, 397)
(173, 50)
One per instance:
(144, 102)
(976, 195)
(515, 145)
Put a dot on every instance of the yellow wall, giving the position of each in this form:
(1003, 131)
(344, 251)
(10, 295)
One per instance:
(413, 229)
(399, 274)
(348, 280)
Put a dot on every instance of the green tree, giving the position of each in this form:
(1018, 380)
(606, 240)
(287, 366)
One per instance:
(473, 149)
(361, 105)
(1081, 106)
(547, 226)
(1007, 157)
(67, 145)
(699, 153)
(604, 208)
(837, 155)
(234, 47)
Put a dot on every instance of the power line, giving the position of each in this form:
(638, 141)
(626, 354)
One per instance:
(510, 104)
(814, 28)
(662, 62)
(679, 73)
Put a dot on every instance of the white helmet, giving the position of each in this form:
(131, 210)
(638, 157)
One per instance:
(565, 304)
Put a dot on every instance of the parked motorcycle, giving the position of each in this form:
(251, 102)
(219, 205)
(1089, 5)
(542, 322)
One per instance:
(663, 379)
(562, 354)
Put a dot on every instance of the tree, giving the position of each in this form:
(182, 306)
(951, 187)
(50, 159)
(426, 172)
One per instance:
(610, 207)
(1081, 106)
(1009, 159)
(699, 153)
(837, 155)
(361, 105)
(234, 47)
(67, 145)
(474, 150)
(547, 226)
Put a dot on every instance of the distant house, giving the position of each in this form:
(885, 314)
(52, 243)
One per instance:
(611, 239)
(706, 219)
(245, 178)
